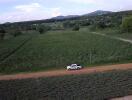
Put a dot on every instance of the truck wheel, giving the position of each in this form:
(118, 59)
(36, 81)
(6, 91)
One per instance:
(78, 68)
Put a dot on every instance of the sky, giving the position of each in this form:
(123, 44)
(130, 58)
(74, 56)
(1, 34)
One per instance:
(24, 10)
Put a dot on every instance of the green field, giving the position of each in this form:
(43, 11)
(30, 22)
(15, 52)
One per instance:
(97, 86)
(56, 49)
(7, 47)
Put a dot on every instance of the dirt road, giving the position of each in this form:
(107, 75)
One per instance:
(114, 37)
(123, 98)
(65, 72)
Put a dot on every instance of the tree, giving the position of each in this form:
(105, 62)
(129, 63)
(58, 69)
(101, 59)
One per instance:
(127, 24)
(2, 34)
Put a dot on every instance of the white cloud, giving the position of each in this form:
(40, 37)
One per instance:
(6, 1)
(56, 12)
(29, 8)
(42, 9)
(33, 11)
(85, 1)
(24, 13)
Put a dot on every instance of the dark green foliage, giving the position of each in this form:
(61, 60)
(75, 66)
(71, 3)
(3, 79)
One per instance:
(68, 24)
(127, 24)
(34, 27)
(76, 27)
(85, 23)
(97, 86)
(101, 25)
(15, 32)
(98, 26)
(43, 28)
(2, 34)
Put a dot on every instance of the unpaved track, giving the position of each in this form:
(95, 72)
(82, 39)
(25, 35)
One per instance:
(114, 37)
(65, 72)
(123, 98)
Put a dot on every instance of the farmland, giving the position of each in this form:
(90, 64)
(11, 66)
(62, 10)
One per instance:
(38, 41)
(96, 86)
(8, 46)
(56, 49)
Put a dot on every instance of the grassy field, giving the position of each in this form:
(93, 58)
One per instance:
(97, 86)
(56, 49)
(8, 46)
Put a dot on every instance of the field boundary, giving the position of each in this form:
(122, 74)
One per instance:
(114, 37)
(16, 49)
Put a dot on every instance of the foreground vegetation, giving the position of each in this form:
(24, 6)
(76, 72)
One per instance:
(97, 86)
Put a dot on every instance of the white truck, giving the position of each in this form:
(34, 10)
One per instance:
(74, 67)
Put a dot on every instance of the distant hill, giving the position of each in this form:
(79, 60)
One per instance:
(95, 13)
(92, 15)
(98, 12)
(65, 17)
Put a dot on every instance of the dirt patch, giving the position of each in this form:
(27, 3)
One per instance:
(123, 98)
(65, 72)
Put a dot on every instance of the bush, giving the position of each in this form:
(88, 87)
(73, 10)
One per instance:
(85, 23)
(76, 28)
(101, 25)
(15, 32)
(98, 25)
(43, 28)
(2, 34)
(127, 24)
(69, 24)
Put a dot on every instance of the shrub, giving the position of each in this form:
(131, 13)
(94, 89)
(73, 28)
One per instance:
(127, 24)
(15, 32)
(43, 28)
(85, 23)
(69, 24)
(76, 28)
(101, 25)
(2, 34)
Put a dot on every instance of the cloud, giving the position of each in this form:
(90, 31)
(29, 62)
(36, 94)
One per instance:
(56, 12)
(33, 11)
(87, 1)
(83, 1)
(19, 10)
(25, 12)
(29, 8)
(6, 1)
(115, 3)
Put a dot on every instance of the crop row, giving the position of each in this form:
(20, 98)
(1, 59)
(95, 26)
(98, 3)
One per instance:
(97, 86)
